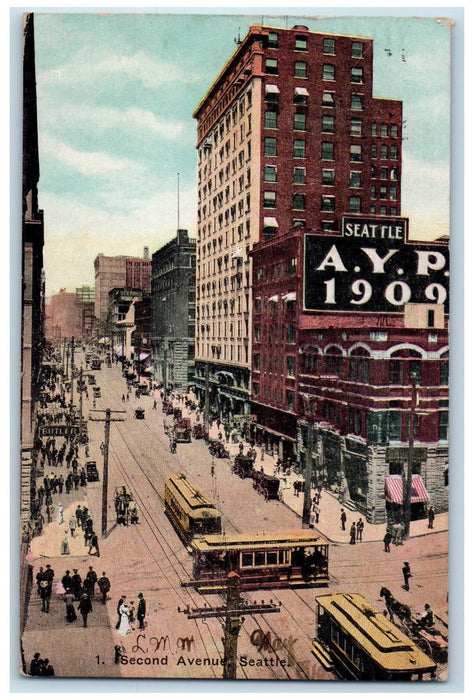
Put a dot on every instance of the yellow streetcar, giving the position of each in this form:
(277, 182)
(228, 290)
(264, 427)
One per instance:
(191, 513)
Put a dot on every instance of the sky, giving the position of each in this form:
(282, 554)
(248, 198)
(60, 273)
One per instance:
(116, 93)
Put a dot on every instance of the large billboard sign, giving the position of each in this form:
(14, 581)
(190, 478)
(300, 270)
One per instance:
(371, 266)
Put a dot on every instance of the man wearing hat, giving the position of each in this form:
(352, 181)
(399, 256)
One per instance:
(141, 611)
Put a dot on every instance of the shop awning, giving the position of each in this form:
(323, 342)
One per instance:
(394, 490)
(289, 296)
(301, 92)
(144, 356)
(270, 222)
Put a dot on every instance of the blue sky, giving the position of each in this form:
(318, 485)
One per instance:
(116, 93)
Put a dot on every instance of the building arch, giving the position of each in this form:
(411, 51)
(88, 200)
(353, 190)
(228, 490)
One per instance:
(358, 347)
(406, 348)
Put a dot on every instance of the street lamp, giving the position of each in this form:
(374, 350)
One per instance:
(411, 437)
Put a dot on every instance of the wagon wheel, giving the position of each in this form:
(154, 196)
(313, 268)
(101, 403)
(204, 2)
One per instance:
(425, 646)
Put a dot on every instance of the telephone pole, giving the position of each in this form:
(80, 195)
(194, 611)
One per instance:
(411, 439)
(233, 613)
(206, 402)
(105, 476)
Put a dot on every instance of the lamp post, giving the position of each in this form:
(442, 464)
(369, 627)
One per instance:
(411, 438)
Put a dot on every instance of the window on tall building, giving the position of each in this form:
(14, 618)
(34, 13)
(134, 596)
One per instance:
(328, 99)
(383, 192)
(269, 200)
(270, 173)
(355, 178)
(327, 123)
(357, 101)
(270, 120)
(301, 43)
(383, 173)
(299, 175)
(290, 400)
(354, 205)
(356, 153)
(443, 425)
(300, 96)
(299, 148)
(393, 152)
(329, 46)
(299, 122)
(393, 131)
(328, 203)
(272, 40)
(290, 365)
(444, 370)
(357, 75)
(373, 129)
(357, 49)
(256, 362)
(394, 425)
(292, 265)
(384, 130)
(327, 150)
(270, 146)
(271, 66)
(290, 333)
(329, 71)
(392, 193)
(301, 69)
(414, 368)
(299, 202)
(356, 127)
(373, 150)
(384, 152)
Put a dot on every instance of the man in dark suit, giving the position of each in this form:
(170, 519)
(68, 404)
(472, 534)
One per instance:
(141, 611)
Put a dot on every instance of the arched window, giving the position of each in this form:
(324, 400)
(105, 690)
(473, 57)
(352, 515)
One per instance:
(359, 365)
(333, 360)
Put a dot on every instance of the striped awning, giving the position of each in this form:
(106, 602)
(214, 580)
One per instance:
(394, 489)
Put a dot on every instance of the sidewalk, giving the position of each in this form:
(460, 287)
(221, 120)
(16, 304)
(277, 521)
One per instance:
(330, 507)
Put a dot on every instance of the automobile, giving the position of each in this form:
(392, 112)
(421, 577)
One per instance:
(91, 470)
(96, 391)
(140, 413)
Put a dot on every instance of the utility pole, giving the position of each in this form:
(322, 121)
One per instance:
(105, 476)
(80, 402)
(72, 373)
(411, 438)
(233, 613)
(206, 402)
(308, 473)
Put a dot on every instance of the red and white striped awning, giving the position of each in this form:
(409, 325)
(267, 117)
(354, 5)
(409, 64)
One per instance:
(394, 489)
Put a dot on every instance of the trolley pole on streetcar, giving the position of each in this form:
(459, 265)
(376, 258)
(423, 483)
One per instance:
(233, 614)
(308, 474)
(105, 452)
(411, 439)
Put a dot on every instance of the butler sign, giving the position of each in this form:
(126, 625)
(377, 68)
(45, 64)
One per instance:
(371, 266)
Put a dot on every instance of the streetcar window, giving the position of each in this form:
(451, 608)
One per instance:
(247, 559)
(259, 558)
(282, 556)
(272, 559)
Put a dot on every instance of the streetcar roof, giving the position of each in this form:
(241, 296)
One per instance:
(190, 497)
(373, 632)
(261, 540)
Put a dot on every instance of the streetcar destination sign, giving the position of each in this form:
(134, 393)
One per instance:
(372, 266)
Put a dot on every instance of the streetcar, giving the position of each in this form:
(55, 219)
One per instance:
(359, 643)
(190, 512)
(286, 559)
(96, 363)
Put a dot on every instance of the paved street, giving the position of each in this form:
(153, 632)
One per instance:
(150, 558)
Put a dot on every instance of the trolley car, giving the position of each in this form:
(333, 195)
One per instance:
(357, 642)
(262, 560)
(190, 512)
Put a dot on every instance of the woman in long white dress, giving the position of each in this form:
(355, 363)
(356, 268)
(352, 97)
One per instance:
(59, 514)
(124, 627)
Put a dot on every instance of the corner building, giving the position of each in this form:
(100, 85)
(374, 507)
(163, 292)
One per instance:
(289, 135)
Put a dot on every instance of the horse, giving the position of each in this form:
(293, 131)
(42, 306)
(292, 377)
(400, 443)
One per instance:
(394, 606)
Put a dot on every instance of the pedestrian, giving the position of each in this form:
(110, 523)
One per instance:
(45, 593)
(94, 543)
(67, 581)
(343, 519)
(406, 575)
(72, 524)
(79, 516)
(398, 534)
(39, 578)
(46, 669)
(119, 605)
(65, 544)
(386, 541)
(353, 533)
(104, 586)
(360, 529)
(36, 665)
(85, 607)
(89, 583)
(59, 515)
(49, 575)
(316, 511)
(70, 610)
(141, 611)
(76, 584)
(431, 517)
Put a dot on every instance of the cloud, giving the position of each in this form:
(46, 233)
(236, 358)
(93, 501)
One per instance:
(426, 198)
(88, 66)
(130, 121)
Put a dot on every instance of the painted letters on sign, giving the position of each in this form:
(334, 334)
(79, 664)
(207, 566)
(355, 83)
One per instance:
(371, 266)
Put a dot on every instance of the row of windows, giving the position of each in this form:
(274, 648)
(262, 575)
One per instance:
(300, 122)
(329, 45)
(327, 176)
(300, 70)
(301, 95)
(328, 150)
(328, 202)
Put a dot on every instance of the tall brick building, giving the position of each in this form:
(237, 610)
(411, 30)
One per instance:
(118, 272)
(285, 138)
